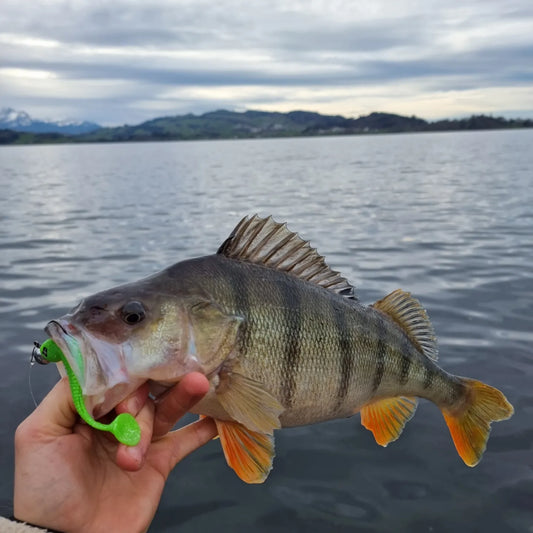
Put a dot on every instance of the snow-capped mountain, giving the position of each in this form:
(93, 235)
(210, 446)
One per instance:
(10, 119)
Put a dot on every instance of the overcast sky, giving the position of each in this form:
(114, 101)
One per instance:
(118, 61)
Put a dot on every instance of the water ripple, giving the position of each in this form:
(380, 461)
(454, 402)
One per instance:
(445, 216)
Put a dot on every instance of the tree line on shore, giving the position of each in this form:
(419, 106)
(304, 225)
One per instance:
(224, 124)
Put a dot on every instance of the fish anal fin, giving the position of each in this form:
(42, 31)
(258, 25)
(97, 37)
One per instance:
(387, 417)
(412, 318)
(248, 453)
(264, 241)
(247, 402)
(469, 424)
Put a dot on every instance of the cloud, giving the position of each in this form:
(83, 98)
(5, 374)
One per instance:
(136, 58)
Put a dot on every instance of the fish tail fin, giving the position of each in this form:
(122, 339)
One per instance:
(469, 424)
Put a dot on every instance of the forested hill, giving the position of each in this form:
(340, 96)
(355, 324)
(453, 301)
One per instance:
(261, 124)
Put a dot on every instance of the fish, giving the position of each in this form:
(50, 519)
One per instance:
(282, 339)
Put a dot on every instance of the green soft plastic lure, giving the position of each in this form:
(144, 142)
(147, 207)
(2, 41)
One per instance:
(125, 428)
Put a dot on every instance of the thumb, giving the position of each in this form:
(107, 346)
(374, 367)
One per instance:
(56, 414)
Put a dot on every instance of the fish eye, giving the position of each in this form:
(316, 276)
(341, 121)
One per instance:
(133, 313)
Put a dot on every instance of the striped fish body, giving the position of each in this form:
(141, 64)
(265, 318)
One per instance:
(322, 355)
(283, 342)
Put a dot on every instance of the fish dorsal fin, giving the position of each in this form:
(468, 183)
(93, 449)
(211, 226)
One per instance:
(409, 314)
(267, 242)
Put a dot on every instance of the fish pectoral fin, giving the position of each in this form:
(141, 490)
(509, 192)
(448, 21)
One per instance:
(247, 402)
(249, 453)
(387, 417)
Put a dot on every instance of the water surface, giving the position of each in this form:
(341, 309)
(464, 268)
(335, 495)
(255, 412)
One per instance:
(447, 216)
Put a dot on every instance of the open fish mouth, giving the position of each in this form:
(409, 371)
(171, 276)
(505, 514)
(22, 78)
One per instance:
(69, 346)
(98, 365)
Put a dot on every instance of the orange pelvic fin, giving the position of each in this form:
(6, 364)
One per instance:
(469, 424)
(249, 453)
(387, 417)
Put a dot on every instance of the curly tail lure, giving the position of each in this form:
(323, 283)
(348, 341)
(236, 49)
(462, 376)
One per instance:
(125, 428)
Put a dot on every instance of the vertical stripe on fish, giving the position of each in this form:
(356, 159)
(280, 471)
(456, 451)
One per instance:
(406, 363)
(381, 352)
(240, 297)
(347, 354)
(292, 347)
(428, 375)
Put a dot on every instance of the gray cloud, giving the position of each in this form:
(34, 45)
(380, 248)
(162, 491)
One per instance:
(481, 67)
(144, 50)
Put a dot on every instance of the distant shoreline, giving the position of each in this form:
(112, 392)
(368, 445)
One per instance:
(224, 124)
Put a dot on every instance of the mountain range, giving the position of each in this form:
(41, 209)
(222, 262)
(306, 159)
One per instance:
(10, 119)
(223, 124)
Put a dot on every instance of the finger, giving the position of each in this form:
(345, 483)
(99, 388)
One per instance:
(135, 401)
(56, 414)
(174, 446)
(178, 401)
(132, 458)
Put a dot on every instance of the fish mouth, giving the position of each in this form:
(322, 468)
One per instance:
(69, 345)
(98, 365)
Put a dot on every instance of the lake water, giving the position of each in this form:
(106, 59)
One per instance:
(447, 216)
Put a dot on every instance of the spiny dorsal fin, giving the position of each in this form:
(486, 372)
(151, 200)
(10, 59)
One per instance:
(407, 312)
(269, 243)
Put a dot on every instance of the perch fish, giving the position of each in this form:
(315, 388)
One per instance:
(283, 342)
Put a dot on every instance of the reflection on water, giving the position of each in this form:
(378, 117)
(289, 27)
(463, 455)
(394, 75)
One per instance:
(447, 216)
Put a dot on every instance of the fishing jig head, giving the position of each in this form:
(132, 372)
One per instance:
(124, 427)
(36, 355)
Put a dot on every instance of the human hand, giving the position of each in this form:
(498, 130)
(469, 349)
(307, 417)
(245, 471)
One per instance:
(71, 477)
